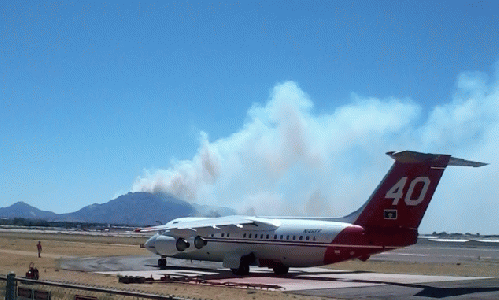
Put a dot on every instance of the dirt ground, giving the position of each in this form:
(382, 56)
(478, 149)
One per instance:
(17, 250)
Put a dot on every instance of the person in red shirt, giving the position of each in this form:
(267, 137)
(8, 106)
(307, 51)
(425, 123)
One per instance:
(39, 247)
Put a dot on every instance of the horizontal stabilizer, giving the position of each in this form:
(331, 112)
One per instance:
(466, 163)
(418, 157)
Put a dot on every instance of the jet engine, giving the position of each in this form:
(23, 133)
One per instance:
(166, 245)
(162, 245)
(199, 242)
(182, 244)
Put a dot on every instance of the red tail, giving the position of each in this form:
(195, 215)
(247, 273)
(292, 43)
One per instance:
(401, 199)
(391, 216)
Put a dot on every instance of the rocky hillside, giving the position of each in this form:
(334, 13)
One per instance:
(24, 210)
(133, 209)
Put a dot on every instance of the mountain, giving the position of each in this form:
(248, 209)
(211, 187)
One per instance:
(134, 209)
(24, 210)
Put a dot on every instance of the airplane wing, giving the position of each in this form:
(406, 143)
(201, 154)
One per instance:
(152, 228)
(212, 225)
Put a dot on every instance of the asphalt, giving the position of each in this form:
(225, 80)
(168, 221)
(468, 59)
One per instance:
(327, 283)
(441, 252)
(486, 289)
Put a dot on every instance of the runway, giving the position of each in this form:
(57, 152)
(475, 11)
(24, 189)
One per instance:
(428, 251)
(324, 282)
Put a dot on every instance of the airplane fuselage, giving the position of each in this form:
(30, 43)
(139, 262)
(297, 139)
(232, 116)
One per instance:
(295, 243)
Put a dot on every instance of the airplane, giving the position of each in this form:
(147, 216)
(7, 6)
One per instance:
(388, 220)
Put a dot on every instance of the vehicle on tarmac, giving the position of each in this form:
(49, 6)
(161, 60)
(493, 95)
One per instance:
(389, 219)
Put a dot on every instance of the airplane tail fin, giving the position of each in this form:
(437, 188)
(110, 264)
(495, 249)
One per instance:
(402, 197)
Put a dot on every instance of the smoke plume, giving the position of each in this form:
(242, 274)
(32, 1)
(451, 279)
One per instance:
(289, 158)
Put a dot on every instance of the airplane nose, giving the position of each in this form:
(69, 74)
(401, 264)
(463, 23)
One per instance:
(151, 244)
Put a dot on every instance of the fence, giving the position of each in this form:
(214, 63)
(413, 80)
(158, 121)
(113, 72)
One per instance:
(13, 288)
(3, 284)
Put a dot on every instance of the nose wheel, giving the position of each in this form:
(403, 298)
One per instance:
(162, 263)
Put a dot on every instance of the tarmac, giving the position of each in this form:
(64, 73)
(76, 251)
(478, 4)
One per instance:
(324, 282)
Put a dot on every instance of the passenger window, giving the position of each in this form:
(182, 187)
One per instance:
(294, 237)
(314, 238)
(307, 238)
(267, 237)
(212, 235)
(227, 234)
(281, 237)
(222, 234)
(301, 238)
(249, 236)
(244, 235)
(287, 237)
(261, 236)
(275, 237)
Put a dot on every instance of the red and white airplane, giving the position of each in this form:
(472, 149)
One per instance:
(388, 220)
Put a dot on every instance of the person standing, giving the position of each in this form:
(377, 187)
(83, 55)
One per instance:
(39, 247)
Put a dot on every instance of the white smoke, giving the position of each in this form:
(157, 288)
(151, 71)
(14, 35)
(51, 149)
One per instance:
(186, 178)
(290, 159)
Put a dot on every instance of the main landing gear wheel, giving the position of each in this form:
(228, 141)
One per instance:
(280, 270)
(242, 270)
(244, 263)
(162, 263)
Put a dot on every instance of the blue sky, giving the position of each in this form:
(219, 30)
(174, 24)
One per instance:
(271, 107)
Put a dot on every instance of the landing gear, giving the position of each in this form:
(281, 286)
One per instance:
(244, 263)
(242, 270)
(364, 257)
(162, 263)
(280, 270)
